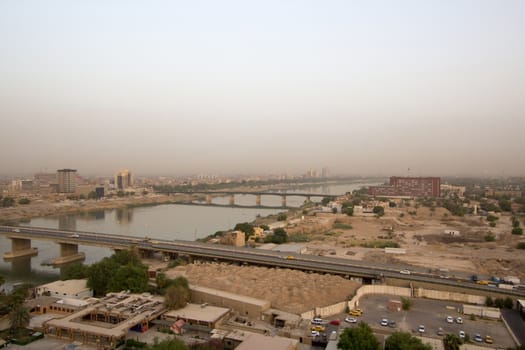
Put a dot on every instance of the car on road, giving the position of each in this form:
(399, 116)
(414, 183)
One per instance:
(335, 322)
(290, 257)
(421, 328)
(461, 334)
(488, 339)
(459, 320)
(384, 322)
(351, 319)
(16, 230)
(440, 331)
(315, 333)
(450, 319)
(477, 337)
(405, 272)
(74, 236)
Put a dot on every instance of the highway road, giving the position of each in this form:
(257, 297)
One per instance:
(321, 264)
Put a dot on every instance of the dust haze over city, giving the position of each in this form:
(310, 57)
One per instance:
(239, 87)
(284, 175)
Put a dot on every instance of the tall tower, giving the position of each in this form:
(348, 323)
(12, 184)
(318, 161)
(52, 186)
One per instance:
(66, 180)
(123, 179)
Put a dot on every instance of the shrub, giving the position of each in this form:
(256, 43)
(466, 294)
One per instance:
(517, 231)
(406, 303)
(520, 245)
(492, 224)
(489, 237)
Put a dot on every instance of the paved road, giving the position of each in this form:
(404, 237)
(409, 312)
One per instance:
(516, 324)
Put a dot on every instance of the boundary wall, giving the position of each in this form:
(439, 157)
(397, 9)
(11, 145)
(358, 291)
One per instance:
(341, 307)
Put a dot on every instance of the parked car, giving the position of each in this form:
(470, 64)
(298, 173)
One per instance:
(421, 328)
(384, 322)
(392, 324)
(317, 320)
(440, 331)
(356, 312)
(450, 319)
(477, 337)
(351, 320)
(459, 320)
(461, 334)
(315, 334)
(335, 322)
(488, 339)
(318, 328)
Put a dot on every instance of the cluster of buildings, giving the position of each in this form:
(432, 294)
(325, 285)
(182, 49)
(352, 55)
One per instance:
(68, 181)
(67, 310)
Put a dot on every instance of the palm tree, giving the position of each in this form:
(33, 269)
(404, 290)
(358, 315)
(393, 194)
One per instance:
(19, 318)
(451, 342)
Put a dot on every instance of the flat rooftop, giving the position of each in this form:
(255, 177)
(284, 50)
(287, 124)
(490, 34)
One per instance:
(70, 287)
(134, 307)
(198, 312)
(262, 342)
(227, 295)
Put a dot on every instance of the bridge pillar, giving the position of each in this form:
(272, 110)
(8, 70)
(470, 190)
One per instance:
(258, 200)
(68, 253)
(20, 247)
(208, 199)
(232, 199)
(283, 201)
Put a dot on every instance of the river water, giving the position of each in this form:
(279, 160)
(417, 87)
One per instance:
(168, 221)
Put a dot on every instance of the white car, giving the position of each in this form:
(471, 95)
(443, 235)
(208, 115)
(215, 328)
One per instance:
(450, 319)
(421, 329)
(351, 320)
(405, 272)
(459, 320)
(384, 322)
(462, 334)
(315, 334)
(74, 236)
(317, 320)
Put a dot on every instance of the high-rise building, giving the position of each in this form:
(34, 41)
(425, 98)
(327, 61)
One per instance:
(123, 179)
(66, 179)
(408, 187)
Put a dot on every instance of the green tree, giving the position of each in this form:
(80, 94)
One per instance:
(177, 293)
(406, 303)
(19, 318)
(279, 236)
(451, 342)
(24, 201)
(129, 277)
(489, 301)
(74, 271)
(379, 210)
(504, 205)
(92, 195)
(245, 227)
(358, 338)
(168, 344)
(282, 217)
(405, 341)
(517, 231)
(508, 303)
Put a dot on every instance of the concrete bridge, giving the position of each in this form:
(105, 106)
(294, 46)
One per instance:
(257, 194)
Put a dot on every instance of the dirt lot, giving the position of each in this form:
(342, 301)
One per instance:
(288, 290)
(422, 235)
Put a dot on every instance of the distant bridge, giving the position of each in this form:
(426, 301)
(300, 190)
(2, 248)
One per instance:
(257, 194)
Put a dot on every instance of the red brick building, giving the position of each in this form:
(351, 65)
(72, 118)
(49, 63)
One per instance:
(408, 187)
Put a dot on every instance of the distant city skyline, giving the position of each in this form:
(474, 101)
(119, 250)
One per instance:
(233, 87)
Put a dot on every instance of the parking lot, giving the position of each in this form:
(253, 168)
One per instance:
(432, 314)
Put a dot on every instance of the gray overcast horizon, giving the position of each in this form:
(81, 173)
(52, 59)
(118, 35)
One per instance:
(269, 87)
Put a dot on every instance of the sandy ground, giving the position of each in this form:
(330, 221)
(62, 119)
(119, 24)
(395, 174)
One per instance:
(423, 237)
(288, 290)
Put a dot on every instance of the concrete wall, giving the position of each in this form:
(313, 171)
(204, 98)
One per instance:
(393, 290)
(482, 311)
(244, 308)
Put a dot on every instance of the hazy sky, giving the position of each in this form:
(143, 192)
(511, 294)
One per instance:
(179, 87)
